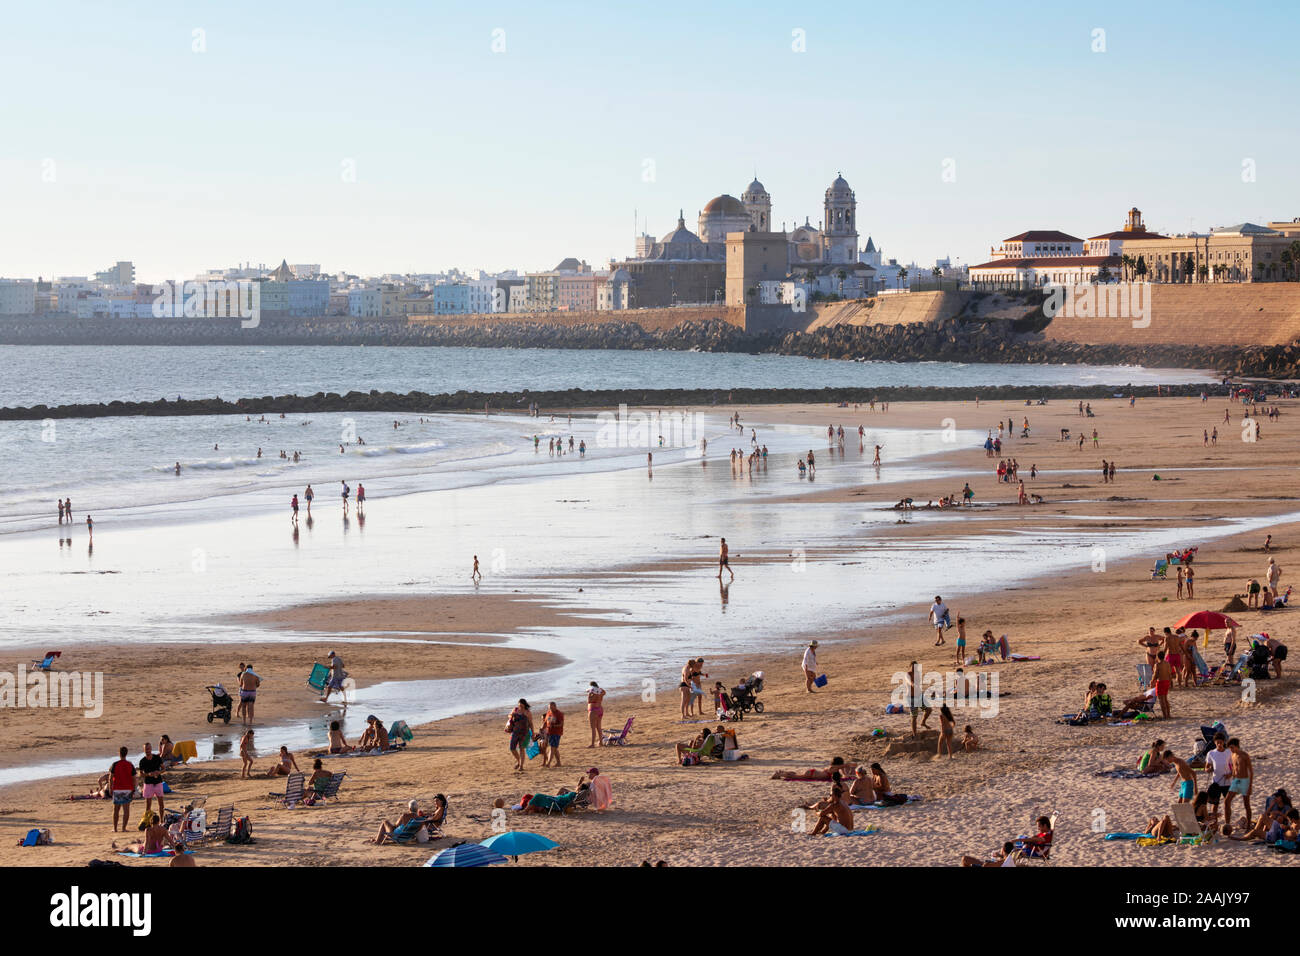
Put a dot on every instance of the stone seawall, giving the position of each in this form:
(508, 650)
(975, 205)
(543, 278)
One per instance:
(577, 398)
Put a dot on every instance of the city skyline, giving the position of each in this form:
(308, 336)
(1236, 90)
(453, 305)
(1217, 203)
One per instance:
(420, 141)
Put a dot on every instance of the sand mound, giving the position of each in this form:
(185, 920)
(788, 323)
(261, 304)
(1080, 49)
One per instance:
(1236, 604)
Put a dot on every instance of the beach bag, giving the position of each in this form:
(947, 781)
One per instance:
(532, 750)
(820, 681)
(690, 760)
(422, 835)
(243, 831)
(38, 837)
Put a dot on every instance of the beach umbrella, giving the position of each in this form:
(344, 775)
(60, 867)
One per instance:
(466, 854)
(516, 843)
(1207, 620)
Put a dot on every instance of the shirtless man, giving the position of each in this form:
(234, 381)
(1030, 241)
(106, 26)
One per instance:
(1185, 780)
(1243, 781)
(862, 792)
(1164, 678)
(723, 553)
(248, 684)
(475, 575)
(916, 697)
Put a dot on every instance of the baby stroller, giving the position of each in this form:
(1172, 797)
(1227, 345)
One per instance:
(744, 694)
(726, 707)
(221, 704)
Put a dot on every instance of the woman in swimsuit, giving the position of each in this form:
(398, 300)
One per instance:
(281, 767)
(338, 743)
(595, 710)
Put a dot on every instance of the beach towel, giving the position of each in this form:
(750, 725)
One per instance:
(1125, 836)
(1023, 657)
(1129, 773)
(147, 855)
(886, 804)
(839, 829)
(185, 750)
(602, 792)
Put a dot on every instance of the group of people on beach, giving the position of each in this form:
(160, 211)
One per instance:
(528, 740)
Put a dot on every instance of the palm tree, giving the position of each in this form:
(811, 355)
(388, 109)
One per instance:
(1126, 265)
(1295, 253)
(1202, 271)
(1141, 268)
(1103, 274)
(902, 277)
(1286, 261)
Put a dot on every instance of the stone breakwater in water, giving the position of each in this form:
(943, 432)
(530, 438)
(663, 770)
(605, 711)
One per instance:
(952, 340)
(577, 398)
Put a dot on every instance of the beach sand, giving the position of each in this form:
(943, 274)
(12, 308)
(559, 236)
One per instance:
(1084, 624)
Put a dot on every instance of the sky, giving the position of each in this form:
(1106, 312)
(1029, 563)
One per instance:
(418, 137)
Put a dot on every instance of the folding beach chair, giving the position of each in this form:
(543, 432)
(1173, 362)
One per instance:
(609, 738)
(1184, 817)
(46, 662)
(1161, 570)
(407, 831)
(218, 830)
(320, 675)
(293, 789)
(332, 788)
(713, 746)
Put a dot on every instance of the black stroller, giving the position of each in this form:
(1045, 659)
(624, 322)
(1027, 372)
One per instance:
(744, 696)
(221, 704)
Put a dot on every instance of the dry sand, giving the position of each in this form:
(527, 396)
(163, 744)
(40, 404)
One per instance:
(1084, 625)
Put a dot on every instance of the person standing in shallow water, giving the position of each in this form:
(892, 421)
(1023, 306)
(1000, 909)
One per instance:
(724, 559)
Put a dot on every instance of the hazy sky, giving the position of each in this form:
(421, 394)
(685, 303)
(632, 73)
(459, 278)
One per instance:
(183, 160)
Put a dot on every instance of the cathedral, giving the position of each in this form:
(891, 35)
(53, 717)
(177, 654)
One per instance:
(829, 249)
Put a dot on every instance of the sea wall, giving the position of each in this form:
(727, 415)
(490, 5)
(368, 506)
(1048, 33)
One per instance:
(574, 398)
(1237, 314)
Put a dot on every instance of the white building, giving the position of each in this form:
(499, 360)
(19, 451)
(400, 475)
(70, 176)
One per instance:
(17, 297)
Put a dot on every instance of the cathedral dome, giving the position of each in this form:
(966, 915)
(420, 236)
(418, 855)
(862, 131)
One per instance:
(724, 205)
(755, 187)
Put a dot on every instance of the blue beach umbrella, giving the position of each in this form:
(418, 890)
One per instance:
(518, 842)
(467, 854)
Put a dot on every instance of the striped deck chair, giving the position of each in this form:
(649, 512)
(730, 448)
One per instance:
(331, 789)
(293, 789)
(218, 830)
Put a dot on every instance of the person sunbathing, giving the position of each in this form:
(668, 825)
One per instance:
(1007, 856)
(1163, 828)
(386, 828)
(838, 811)
(691, 750)
(320, 779)
(1038, 845)
(374, 737)
(282, 764)
(338, 743)
(156, 838)
(862, 791)
(837, 765)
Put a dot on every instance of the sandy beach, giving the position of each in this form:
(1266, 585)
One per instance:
(1083, 622)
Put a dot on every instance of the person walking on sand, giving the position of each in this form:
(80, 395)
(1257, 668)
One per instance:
(307, 496)
(595, 711)
(810, 666)
(361, 497)
(520, 727)
(248, 684)
(335, 681)
(121, 782)
(876, 460)
(476, 576)
(552, 730)
(723, 558)
(940, 618)
(293, 503)
(1190, 575)
(151, 768)
(1274, 574)
(346, 491)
